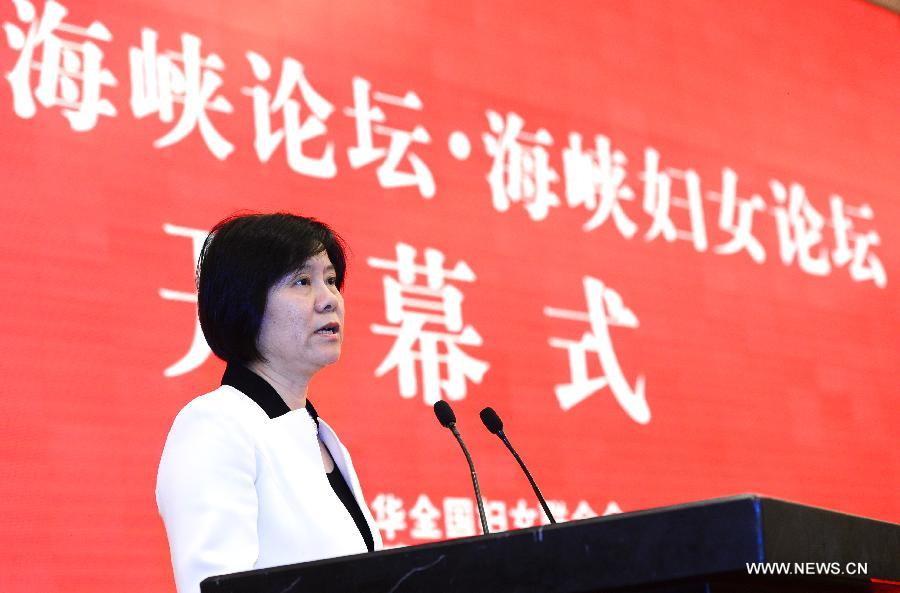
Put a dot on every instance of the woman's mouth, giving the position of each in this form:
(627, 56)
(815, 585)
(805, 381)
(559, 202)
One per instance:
(329, 329)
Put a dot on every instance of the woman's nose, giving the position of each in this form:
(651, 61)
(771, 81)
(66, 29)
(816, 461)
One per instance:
(326, 300)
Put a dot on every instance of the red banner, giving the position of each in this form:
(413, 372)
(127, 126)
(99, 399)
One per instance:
(660, 239)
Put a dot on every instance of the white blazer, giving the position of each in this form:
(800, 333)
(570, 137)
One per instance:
(238, 490)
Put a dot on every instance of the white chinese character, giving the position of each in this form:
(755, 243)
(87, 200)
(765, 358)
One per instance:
(731, 207)
(495, 511)
(559, 509)
(658, 201)
(71, 76)
(523, 515)
(199, 350)
(799, 227)
(159, 80)
(370, 120)
(612, 509)
(459, 517)
(583, 511)
(864, 264)
(293, 133)
(596, 179)
(605, 309)
(390, 518)
(417, 310)
(520, 172)
(425, 519)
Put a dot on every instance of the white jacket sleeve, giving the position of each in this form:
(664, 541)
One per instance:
(207, 497)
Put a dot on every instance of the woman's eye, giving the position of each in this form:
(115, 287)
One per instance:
(332, 280)
(302, 282)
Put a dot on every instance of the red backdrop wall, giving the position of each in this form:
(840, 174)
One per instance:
(661, 239)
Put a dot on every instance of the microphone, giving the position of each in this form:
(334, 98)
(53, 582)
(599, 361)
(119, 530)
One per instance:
(447, 418)
(493, 423)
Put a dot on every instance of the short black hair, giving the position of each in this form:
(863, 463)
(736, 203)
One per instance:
(242, 258)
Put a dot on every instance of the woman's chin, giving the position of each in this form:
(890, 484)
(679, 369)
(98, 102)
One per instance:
(328, 358)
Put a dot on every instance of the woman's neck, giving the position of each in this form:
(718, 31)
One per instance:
(291, 389)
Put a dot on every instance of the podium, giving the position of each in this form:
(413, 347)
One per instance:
(709, 546)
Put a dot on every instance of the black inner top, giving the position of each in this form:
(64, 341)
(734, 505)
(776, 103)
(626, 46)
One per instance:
(265, 396)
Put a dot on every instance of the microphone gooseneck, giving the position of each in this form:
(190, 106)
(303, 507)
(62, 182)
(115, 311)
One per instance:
(447, 418)
(493, 423)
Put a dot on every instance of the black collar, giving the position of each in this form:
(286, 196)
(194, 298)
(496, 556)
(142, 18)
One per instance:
(259, 390)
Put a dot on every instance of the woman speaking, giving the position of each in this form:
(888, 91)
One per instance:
(250, 476)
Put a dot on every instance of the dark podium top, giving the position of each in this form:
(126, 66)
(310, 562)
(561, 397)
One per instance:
(697, 547)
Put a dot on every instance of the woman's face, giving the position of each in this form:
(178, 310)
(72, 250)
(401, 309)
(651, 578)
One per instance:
(303, 325)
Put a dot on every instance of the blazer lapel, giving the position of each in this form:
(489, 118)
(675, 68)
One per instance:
(345, 465)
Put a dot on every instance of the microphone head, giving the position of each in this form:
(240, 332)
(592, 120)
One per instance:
(444, 413)
(491, 420)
